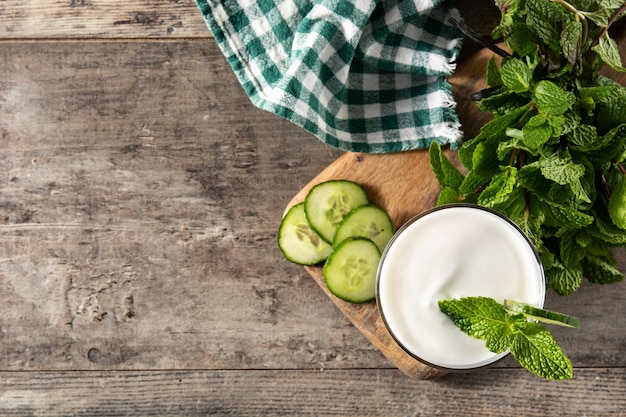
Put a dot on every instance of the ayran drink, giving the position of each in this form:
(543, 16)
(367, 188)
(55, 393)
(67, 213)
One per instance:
(451, 252)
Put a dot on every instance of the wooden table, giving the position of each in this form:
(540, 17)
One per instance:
(140, 194)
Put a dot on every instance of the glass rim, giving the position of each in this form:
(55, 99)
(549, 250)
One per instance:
(497, 357)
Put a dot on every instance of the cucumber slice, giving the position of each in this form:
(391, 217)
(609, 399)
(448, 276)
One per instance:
(539, 314)
(350, 271)
(367, 221)
(298, 241)
(329, 202)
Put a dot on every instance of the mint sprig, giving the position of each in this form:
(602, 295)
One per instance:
(531, 344)
(552, 159)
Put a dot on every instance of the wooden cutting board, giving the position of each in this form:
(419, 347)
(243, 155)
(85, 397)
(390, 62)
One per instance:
(404, 185)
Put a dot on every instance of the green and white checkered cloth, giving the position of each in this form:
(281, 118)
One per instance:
(361, 75)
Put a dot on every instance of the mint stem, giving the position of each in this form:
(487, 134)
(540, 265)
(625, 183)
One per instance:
(612, 20)
(605, 185)
(513, 156)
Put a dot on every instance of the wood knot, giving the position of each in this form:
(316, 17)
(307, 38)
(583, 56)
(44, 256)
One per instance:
(93, 355)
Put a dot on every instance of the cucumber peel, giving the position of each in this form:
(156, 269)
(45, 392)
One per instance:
(329, 202)
(299, 243)
(350, 271)
(540, 314)
(367, 221)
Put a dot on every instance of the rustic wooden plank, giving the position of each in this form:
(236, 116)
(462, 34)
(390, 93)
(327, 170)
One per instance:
(23, 19)
(494, 393)
(174, 19)
(140, 197)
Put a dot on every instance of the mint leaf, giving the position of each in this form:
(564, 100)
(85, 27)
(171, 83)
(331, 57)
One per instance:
(493, 74)
(514, 206)
(600, 271)
(536, 350)
(511, 10)
(599, 17)
(466, 151)
(559, 168)
(521, 40)
(571, 252)
(602, 12)
(544, 18)
(565, 281)
(502, 103)
(608, 51)
(531, 344)
(552, 99)
(559, 215)
(472, 182)
(515, 142)
(499, 124)
(485, 159)
(580, 188)
(583, 136)
(610, 5)
(447, 174)
(482, 318)
(448, 195)
(530, 178)
(536, 132)
(560, 124)
(571, 37)
(610, 146)
(607, 232)
(617, 205)
(590, 96)
(500, 188)
(516, 75)
(583, 239)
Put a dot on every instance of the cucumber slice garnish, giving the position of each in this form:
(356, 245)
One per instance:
(299, 243)
(540, 314)
(350, 271)
(367, 221)
(329, 202)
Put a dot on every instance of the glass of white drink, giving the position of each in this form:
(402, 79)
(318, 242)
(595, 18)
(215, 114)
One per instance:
(451, 252)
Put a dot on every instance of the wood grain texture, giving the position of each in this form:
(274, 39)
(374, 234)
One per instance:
(341, 393)
(171, 19)
(92, 19)
(139, 207)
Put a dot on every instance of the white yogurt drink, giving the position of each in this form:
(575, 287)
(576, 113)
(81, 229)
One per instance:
(453, 251)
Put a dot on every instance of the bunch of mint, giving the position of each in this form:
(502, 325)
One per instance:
(551, 158)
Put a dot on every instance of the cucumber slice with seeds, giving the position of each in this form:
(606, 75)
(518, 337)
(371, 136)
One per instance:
(350, 271)
(329, 202)
(367, 221)
(539, 314)
(299, 243)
